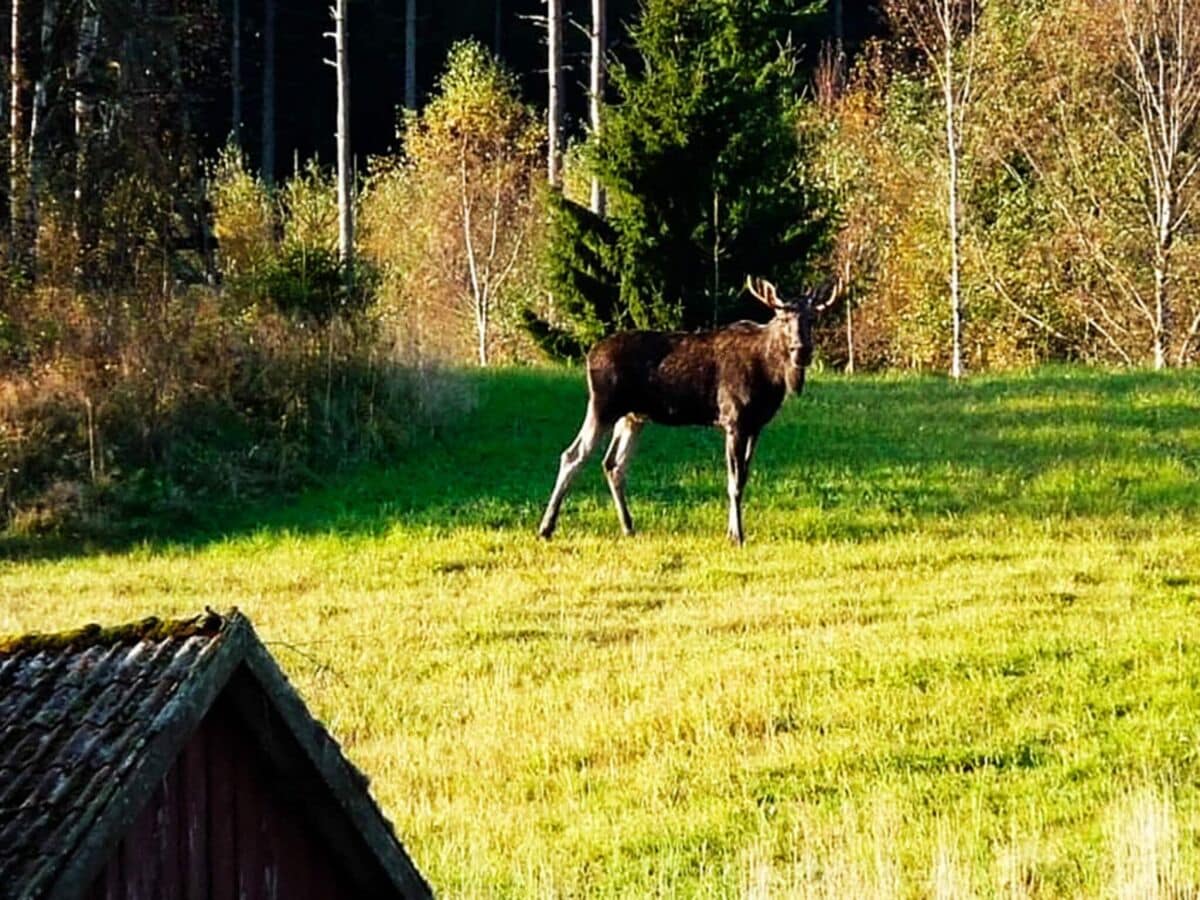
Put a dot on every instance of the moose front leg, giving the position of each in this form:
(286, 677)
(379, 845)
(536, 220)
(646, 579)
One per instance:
(738, 449)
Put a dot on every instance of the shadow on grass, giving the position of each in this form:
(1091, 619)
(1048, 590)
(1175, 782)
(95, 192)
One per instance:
(861, 455)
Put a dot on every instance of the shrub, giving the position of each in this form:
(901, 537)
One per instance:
(463, 253)
(197, 408)
(243, 222)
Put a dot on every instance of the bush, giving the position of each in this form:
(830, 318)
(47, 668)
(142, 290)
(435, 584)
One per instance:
(312, 284)
(456, 266)
(243, 222)
(199, 408)
(135, 408)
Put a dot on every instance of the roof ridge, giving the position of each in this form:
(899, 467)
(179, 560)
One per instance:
(208, 623)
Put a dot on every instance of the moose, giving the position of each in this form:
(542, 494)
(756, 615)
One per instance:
(734, 378)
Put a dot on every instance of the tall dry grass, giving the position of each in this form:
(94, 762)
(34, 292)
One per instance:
(1149, 856)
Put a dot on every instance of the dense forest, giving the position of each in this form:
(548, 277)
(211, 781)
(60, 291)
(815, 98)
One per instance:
(210, 287)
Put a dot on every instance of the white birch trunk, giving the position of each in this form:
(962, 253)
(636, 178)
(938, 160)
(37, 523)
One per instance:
(849, 338)
(949, 96)
(481, 330)
(478, 286)
(596, 90)
(1162, 274)
(956, 366)
(554, 111)
(345, 174)
(85, 52)
(18, 149)
(37, 123)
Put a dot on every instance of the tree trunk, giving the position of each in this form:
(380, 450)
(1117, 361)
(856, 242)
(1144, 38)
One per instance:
(85, 52)
(498, 30)
(596, 91)
(38, 145)
(849, 337)
(716, 255)
(956, 365)
(235, 75)
(555, 114)
(481, 332)
(410, 55)
(344, 173)
(1162, 274)
(18, 155)
(268, 101)
(839, 32)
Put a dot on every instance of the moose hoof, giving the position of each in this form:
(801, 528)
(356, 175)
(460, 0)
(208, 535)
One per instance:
(545, 532)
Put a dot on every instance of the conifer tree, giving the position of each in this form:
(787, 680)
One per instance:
(707, 177)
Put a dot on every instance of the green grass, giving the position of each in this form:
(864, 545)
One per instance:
(959, 654)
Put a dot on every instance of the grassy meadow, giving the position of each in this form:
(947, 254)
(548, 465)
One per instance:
(958, 656)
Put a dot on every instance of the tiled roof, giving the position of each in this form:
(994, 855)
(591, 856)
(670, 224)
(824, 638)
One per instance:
(90, 719)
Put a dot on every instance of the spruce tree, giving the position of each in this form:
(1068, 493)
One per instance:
(705, 166)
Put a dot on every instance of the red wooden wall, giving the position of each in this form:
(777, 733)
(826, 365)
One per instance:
(218, 828)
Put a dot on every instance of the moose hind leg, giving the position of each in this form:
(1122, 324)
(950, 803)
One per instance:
(570, 463)
(616, 462)
(738, 466)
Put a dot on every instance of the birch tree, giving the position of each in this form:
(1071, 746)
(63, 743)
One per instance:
(468, 186)
(599, 37)
(554, 111)
(85, 53)
(940, 28)
(341, 62)
(18, 147)
(1162, 79)
(1115, 154)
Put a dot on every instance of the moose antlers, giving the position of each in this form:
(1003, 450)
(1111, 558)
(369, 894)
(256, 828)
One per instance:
(835, 291)
(762, 290)
(765, 292)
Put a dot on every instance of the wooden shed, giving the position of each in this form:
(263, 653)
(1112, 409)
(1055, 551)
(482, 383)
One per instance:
(164, 760)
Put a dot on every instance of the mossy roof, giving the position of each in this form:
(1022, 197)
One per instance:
(92, 719)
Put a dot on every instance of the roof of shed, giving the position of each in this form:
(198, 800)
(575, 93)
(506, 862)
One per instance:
(91, 720)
